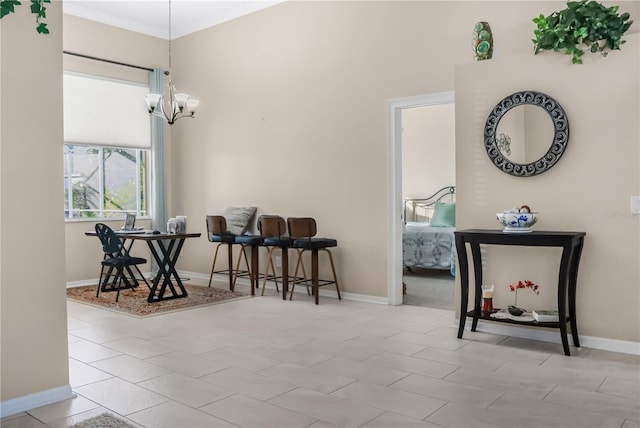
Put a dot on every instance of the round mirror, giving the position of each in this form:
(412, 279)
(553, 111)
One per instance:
(526, 133)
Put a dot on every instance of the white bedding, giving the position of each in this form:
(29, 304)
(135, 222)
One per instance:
(429, 247)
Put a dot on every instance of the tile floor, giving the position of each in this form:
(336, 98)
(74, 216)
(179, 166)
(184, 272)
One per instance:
(262, 363)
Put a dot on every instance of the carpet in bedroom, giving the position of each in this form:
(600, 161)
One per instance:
(432, 288)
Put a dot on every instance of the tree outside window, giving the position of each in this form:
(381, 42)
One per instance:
(103, 182)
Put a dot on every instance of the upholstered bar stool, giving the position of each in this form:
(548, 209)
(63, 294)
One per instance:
(302, 230)
(273, 230)
(253, 242)
(217, 233)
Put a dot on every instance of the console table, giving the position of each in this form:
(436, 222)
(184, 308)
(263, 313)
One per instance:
(571, 244)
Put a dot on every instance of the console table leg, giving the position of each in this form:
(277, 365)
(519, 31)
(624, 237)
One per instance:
(565, 340)
(574, 334)
(563, 280)
(573, 279)
(463, 318)
(463, 268)
(477, 273)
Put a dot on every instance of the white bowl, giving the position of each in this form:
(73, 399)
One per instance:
(517, 222)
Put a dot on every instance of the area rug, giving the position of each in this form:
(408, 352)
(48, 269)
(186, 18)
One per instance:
(134, 302)
(105, 420)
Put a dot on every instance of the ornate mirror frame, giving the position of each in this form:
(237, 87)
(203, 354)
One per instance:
(560, 133)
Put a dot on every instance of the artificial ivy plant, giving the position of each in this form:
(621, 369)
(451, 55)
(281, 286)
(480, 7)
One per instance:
(583, 24)
(37, 8)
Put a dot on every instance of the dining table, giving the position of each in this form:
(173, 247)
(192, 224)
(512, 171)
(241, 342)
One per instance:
(165, 249)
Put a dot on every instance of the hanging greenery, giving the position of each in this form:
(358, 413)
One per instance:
(583, 24)
(38, 8)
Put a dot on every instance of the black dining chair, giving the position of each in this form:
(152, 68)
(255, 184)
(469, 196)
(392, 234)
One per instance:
(116, 257)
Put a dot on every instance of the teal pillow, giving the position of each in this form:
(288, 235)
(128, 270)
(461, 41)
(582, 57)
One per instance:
(444, 215)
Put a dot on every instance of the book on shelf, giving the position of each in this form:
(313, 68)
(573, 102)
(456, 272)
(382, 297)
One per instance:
(546, 315)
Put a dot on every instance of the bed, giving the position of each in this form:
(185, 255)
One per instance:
(427, 239)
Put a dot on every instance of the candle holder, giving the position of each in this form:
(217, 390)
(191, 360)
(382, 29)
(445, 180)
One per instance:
(487, 300)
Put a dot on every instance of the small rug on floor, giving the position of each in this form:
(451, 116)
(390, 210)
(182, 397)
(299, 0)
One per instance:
(105, 420)
(134, 302)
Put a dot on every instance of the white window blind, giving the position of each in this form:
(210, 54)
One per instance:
(106, 112)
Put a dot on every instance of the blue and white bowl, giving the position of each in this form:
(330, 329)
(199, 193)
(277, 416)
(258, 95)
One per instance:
(516, 222)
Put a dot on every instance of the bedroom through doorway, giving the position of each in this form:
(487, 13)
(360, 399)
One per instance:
(428, 176)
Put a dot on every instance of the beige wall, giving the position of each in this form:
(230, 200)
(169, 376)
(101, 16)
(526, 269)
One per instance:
(587, 190)
(104, 41)
(293, 115)
(428, 151)
(293, 119)
(32, 273)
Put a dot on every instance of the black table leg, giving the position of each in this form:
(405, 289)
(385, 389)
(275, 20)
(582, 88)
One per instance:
(166, 270)
(563, 279)
(573, 280)
(464, 283)
(477, 273)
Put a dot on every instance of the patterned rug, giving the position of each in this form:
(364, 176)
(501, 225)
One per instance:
(134, 302)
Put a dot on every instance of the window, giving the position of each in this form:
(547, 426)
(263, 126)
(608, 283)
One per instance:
(102, 182)
(107, 147)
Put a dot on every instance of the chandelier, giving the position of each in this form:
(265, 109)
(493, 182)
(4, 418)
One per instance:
(171, 105)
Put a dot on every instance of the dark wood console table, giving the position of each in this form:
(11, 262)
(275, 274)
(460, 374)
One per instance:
(571, 244)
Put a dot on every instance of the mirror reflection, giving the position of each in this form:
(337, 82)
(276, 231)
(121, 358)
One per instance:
(524, 134)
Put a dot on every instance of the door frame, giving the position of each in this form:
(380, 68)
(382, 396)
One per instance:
(396, 207)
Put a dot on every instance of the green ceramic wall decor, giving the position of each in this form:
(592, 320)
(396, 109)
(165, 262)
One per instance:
(482, 43)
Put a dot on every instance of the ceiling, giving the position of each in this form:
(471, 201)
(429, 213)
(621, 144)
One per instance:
(152, 16)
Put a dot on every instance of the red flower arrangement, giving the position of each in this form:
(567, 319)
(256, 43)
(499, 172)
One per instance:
(515, 310)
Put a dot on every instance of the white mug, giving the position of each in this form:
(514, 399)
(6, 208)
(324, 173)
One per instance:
(181, 224)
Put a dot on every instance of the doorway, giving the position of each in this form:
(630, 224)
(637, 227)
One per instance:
(397, 110)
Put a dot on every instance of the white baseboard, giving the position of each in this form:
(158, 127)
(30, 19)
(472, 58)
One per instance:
(81, 283)
(37, 399)
(544, 335)
(94, 281)
(202, 279)
(553, 336)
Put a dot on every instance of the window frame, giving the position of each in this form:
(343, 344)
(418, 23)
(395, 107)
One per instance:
(141, 170)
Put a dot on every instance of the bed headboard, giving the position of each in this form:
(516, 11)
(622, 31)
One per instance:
(421, 209)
